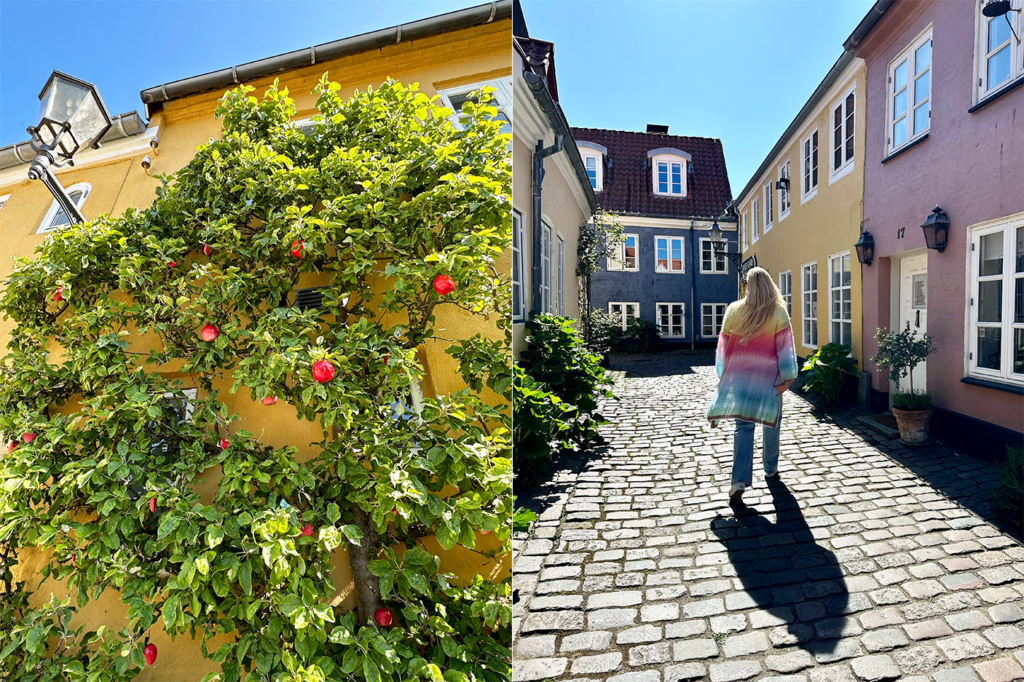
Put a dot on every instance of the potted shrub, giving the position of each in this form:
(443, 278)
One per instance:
(900, 353)
(828, 369)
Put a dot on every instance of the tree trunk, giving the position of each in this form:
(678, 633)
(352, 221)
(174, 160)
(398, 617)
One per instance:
(360, 556)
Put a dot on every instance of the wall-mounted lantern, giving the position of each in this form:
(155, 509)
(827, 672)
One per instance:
(71, 116)
(936, 230)
(782, 183)
(865, 248)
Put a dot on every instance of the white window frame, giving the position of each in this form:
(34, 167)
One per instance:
(669, 159)
(3, 200)
(587, 155)
(848, 131)
(785, 195)
(624, 311)
(787, 290)
(716, 319)
(805, 305)
(618, 262)
(519, 258)
(754, 232)
(658, 317)
(1005, 373)
(908, 57)
(45, 226)
(810, 165)
(560, 298)
(546, 244)
(849, 287)
(502, 97)
(983, 89)
(717, 258)
(682, 254)
(768, 196)
(743, 231)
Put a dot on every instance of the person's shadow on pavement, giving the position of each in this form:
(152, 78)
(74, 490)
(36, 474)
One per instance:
(787, 574)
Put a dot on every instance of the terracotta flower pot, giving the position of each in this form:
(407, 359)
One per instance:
(913, 425)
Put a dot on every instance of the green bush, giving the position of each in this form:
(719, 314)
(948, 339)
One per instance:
(828, 370)
(522, 518)
(640, 336)
(1009, 496)
(604, 328)
(913, 400)
(540, 419)
(558, 357)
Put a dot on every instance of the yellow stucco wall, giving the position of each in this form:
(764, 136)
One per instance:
(438, 62)
(822, 226)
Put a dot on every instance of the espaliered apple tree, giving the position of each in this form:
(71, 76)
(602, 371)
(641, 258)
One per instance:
(399, 213)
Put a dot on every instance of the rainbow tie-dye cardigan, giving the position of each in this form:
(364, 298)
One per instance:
(748, 372)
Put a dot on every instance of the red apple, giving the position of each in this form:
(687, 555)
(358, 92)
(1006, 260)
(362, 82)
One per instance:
(152, 504)
(307, 530)
(149, 651)
(10, 448)
(58, 294)
(383, 617)
(73, 559)
(206, 249)
(323, 371)
(172, 263)
(387, 356)
(28, 437)
(209, 333)
(224, 443)
(444, 285)
(269, 400)
(297, 247)
(487, 532)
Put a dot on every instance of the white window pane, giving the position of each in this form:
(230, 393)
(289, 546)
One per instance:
(899, 77)
(992, 254)
(990, 342)
(998, 32)
(923, 57)
(998, 67)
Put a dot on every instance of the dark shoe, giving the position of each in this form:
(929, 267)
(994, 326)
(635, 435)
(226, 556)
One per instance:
(736, 492)
(772, 477)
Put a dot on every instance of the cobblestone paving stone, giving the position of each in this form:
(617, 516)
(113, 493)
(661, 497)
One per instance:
(868, 562)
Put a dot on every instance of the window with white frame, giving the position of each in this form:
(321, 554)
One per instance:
(711, 317)
(592, 161)
(842, 122)
(626, 257)
(786, 289)
(809, 165)
(669, 177)
(561, 277)
(518, 268)
(754, 233)
(1000, 57)
(840, 320)
(668, 255)
(3, 200)
(712, 261)
(809, 300)
(910, 94)
(768, 207)
(55, 216)
(671, 320)
(743, 231)
(783, 191)
(624, 312)
(997, 302)
(501, 99)
(546, 273)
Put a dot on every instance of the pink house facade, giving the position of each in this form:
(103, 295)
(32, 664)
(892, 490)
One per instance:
(945, 127)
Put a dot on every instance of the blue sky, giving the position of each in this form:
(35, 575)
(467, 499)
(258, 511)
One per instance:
(124, 47)
(732, 69)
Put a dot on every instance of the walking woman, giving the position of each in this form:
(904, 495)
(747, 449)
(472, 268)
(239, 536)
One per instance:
(756, 363)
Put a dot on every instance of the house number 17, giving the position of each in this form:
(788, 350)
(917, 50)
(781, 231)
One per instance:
(899, 233)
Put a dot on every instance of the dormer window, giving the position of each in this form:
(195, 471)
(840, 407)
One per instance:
(593, 156)
(55, 216)
(668, 171)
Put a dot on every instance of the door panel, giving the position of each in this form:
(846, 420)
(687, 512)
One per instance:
(914, 309)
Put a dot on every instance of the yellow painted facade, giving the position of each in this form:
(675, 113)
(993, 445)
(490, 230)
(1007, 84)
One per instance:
(823, 224)
(447, 60)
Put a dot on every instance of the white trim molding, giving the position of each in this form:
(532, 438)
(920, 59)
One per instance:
(846, 106)
(82, 189)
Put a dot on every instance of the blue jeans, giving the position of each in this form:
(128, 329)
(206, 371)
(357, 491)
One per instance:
(743, 450)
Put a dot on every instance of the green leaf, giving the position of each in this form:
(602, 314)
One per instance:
(168, 523)
(370, 670)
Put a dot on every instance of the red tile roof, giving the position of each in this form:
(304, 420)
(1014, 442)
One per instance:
(628, 183)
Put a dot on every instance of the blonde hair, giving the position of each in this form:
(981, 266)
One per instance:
(758, 307)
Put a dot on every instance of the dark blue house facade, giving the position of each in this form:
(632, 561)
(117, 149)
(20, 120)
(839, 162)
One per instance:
(669, 191)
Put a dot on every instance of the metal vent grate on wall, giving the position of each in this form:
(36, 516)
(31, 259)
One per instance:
(312, 297)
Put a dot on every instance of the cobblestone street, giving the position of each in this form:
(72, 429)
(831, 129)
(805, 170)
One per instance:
(868, 561)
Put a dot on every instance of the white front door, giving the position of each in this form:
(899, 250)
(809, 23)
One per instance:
(914, 309)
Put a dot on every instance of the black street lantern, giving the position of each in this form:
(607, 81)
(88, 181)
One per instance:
(865, 248)
(716, 235)
(996, 8)
(71, 116)
(936, 230)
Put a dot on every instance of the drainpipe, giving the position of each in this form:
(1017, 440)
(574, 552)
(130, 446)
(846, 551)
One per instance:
(540, 153)
(693, 291)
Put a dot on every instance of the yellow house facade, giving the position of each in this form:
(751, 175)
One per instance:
(450, 56)
(803, 234)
